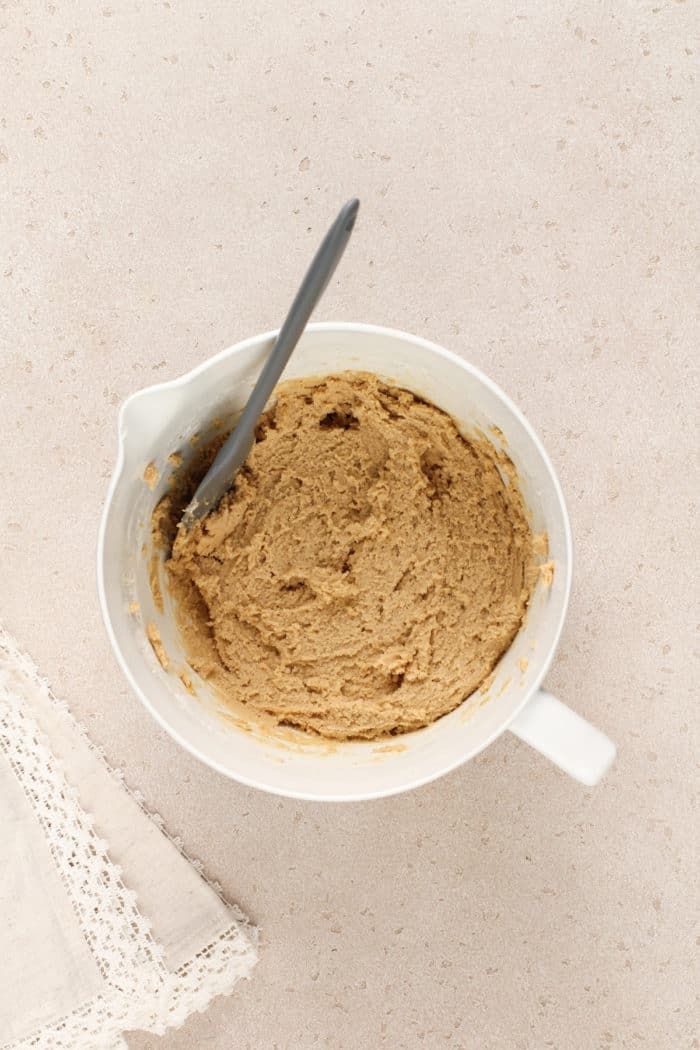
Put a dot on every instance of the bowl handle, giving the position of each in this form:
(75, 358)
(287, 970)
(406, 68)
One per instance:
(565, 738)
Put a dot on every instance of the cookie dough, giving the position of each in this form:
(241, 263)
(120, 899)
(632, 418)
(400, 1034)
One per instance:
(366, 572)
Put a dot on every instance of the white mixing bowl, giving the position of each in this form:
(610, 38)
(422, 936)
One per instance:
(156, 421)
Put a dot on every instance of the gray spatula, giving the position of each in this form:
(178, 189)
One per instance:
(232, 454)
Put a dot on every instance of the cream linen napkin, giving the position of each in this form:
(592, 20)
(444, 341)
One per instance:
(105, 925)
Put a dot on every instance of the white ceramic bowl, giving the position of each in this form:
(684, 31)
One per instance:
(160, 419)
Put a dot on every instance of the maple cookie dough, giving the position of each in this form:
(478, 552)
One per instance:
(366, 572)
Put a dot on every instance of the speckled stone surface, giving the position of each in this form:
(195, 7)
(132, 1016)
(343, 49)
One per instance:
(526, 175)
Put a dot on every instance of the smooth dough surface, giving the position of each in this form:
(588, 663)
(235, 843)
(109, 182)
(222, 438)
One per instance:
(368, 569)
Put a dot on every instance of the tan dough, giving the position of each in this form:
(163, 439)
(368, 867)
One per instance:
(368, 570)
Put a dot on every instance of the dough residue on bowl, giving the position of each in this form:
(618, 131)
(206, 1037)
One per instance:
(366, 572)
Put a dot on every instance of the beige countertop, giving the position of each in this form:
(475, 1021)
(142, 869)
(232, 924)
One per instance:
(526, 175)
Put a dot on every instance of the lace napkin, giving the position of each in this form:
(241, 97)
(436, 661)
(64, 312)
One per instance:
(105, 925)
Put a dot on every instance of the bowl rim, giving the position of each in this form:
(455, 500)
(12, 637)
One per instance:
(187, 377)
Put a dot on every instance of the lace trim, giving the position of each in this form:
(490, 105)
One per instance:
(141, 992)
(9, 647)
